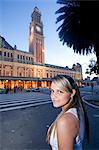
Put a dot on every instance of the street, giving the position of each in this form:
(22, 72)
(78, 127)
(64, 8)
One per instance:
(22, 100)
(26, 128)
(93, 116)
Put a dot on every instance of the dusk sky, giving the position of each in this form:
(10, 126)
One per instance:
(15, 16)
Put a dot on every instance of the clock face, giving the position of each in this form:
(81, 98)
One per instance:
(38, 28)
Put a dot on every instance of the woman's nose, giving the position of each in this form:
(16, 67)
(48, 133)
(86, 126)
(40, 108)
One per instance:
(54, 94)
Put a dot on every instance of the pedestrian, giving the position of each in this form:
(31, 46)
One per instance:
(92, 86)
(7, 90)
(68, 130)
(15, 89)
(21, 88)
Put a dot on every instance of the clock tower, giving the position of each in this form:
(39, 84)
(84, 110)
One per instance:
(36, 38)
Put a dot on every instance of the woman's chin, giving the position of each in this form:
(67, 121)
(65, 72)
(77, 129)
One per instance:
(55, 105)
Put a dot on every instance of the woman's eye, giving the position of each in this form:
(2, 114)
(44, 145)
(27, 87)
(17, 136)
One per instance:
(52, 91)
(57, 91)
(61, 92)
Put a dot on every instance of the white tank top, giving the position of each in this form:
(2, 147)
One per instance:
(53, 138)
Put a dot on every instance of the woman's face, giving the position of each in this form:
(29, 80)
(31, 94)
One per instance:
(59, 98)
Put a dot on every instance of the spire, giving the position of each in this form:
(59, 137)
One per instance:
(37, 10)
(36, 15)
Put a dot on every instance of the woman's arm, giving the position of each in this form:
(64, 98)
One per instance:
(67, 129)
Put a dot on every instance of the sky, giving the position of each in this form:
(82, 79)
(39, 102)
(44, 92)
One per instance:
(15, 16)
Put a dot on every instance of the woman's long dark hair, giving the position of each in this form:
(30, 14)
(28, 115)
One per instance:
(78, 102)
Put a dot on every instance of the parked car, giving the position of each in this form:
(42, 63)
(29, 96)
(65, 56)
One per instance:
(45, 90)
(27, 90)
(34, 90)
(2, 91)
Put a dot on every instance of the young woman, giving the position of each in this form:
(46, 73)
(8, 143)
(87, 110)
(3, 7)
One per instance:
(67, 131)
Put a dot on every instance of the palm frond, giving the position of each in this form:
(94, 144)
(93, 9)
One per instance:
(61, 10)
(79, 26)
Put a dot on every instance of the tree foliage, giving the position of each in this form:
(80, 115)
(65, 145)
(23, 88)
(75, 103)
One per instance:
(80, 27)
(93, 67)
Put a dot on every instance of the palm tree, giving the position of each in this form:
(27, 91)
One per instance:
(80, 27)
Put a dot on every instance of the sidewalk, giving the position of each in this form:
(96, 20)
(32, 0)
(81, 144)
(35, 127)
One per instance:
(92, 96)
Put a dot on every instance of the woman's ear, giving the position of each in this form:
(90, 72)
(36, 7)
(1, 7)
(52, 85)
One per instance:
(73, 92)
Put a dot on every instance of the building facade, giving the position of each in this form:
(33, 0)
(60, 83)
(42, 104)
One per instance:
(28, 69)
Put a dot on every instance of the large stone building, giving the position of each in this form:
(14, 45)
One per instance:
(28, 69)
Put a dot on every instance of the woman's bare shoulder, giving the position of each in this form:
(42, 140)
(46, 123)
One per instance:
(69, 123)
